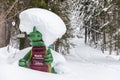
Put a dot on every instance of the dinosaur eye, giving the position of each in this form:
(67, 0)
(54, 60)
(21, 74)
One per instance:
(38, 35)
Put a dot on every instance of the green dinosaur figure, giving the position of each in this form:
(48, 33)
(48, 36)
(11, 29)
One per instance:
(35, 38)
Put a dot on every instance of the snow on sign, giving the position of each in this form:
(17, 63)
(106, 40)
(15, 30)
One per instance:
(48, 23)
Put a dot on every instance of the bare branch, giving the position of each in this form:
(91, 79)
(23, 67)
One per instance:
(9, 10)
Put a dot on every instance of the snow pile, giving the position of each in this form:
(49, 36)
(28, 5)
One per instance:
(5, 52)
(49, 24)
(85, 63)
(12, 71)
(59, 62)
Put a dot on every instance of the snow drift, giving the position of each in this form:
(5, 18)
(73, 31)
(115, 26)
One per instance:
(48, 23)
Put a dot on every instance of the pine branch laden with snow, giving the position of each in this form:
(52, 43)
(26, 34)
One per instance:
(104, 25)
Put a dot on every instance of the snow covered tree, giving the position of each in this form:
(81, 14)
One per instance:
(109, 24)
(99, 19)
(102, 26)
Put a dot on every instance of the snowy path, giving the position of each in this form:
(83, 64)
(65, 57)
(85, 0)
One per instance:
(88, 71)
(91, 64)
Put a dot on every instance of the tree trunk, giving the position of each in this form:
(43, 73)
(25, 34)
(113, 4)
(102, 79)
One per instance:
(85, 35)
(110, 35)
(2, 34)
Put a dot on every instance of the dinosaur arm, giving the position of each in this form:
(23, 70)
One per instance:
(48, 57)
(24, 62)
(27, 56)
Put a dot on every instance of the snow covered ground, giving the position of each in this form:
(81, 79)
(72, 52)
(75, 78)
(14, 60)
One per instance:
(92, 64)
(87, 64)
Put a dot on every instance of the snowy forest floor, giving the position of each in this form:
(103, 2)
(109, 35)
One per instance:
(84, 62)
(91, 64)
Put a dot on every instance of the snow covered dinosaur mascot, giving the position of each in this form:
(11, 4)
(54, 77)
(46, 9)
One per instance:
(49, 27)
(39, 58)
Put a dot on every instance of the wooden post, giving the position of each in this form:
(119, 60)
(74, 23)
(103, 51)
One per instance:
(21, 37)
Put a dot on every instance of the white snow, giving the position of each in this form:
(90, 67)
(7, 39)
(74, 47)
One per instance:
(21, 36)
(48, 23)
(5, 52)
(85, 63)
(107, 8)
(92, 64)
(104, 25)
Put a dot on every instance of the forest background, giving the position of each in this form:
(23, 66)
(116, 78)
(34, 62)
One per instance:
(97, 21)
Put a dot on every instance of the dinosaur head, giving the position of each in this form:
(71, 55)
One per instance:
(35, 35)
(35, 38)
